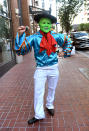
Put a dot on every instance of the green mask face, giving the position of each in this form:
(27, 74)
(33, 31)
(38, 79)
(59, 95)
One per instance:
(45, 25)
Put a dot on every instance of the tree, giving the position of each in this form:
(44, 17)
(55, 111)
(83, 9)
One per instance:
(84, 27)
(67, 12)
(81, 27)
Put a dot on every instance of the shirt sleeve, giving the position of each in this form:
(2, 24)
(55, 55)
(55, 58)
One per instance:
(23, 44)
(66, 43)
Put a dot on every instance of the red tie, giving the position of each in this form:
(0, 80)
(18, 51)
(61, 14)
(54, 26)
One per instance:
(47, 43)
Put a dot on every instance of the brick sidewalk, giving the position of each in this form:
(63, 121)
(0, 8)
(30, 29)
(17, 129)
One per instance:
(71, 102)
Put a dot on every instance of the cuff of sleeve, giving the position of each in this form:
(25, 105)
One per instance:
(19, 40)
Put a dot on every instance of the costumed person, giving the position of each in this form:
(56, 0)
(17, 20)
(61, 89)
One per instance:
(44, 43)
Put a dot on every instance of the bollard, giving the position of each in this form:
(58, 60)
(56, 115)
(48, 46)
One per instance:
(19, 59)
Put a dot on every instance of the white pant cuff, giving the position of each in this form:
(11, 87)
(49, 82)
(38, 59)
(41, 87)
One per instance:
(50, 107)
(39, 117)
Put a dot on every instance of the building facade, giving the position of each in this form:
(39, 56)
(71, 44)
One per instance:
(7, 57)
(86, 11)
(83, 16)
(14, 13)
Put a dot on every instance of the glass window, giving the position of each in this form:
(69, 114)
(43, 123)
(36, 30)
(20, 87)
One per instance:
(6, 53)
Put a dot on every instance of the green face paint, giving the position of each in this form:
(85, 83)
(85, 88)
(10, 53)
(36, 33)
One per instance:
(45, 25)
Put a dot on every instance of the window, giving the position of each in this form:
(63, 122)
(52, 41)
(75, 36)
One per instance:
(6, 53)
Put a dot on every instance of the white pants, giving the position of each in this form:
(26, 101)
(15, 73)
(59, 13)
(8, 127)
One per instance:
(50, 74)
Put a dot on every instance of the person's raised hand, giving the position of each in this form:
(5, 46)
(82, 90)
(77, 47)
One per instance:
(61, 54)
(21, 29)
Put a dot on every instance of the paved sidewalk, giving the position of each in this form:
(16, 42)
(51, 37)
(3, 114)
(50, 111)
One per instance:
(71, 102)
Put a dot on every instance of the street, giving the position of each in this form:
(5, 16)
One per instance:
(84, 52)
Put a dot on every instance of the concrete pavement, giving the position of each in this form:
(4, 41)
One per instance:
(71, 99)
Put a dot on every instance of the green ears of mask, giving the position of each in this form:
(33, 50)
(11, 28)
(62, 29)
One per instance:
(45, 24)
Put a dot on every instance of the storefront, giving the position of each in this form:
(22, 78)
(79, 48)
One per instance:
(14, 13)
(7, 57)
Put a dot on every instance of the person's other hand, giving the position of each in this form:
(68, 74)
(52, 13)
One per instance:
(61, 54)
(21, 29)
